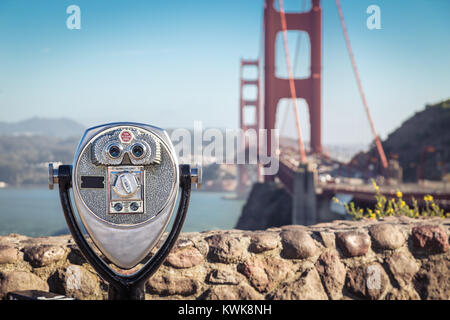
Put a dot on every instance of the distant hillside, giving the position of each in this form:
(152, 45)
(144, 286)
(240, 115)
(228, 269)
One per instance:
(25, 153)
(24, 159)
(428, 130)
(62, 128)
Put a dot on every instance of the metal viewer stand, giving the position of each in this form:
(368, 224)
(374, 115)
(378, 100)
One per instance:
(123, 287)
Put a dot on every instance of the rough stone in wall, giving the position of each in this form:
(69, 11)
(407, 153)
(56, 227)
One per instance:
(394, 258)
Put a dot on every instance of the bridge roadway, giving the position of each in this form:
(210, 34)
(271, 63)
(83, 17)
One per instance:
(327, 184)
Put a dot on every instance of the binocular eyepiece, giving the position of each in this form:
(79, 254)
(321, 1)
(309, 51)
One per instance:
(126, 180)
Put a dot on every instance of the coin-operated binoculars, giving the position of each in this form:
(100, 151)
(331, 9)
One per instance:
(125, 180)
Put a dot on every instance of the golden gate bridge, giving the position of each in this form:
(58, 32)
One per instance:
(298, 168)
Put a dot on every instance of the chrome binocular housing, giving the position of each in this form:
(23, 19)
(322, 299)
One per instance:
(126, 180)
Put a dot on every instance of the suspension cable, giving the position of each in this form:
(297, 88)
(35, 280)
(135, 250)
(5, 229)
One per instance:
(361, 91)
(261, 62)
(292, 84)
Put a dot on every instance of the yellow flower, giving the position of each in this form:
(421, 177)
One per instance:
(428, 198)
(336, 200)
(374, 184)
(402, 204)
(399, 194)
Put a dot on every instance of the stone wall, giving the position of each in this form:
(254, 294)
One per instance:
(395, 258)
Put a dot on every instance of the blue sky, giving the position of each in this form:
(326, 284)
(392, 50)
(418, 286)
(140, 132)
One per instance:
(169, 63)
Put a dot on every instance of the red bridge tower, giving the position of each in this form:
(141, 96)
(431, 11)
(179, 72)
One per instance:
(244, 104)
(310, 88)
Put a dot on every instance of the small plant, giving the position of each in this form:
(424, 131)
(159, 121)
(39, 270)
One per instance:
(394, 207)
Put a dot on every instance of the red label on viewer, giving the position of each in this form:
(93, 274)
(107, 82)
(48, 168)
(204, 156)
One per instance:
(126, 136)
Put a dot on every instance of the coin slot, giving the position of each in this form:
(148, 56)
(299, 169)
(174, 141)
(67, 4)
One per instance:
(92, 182)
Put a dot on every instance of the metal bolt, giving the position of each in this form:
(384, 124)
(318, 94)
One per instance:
(134, 206)
(196, 176)
(118, 206)
(52, 176)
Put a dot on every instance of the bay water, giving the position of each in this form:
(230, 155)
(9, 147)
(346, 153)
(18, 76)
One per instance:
(37, 212)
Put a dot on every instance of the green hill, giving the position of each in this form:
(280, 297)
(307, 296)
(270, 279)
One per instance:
(426, 134)
(62, 128)
(24, 158)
